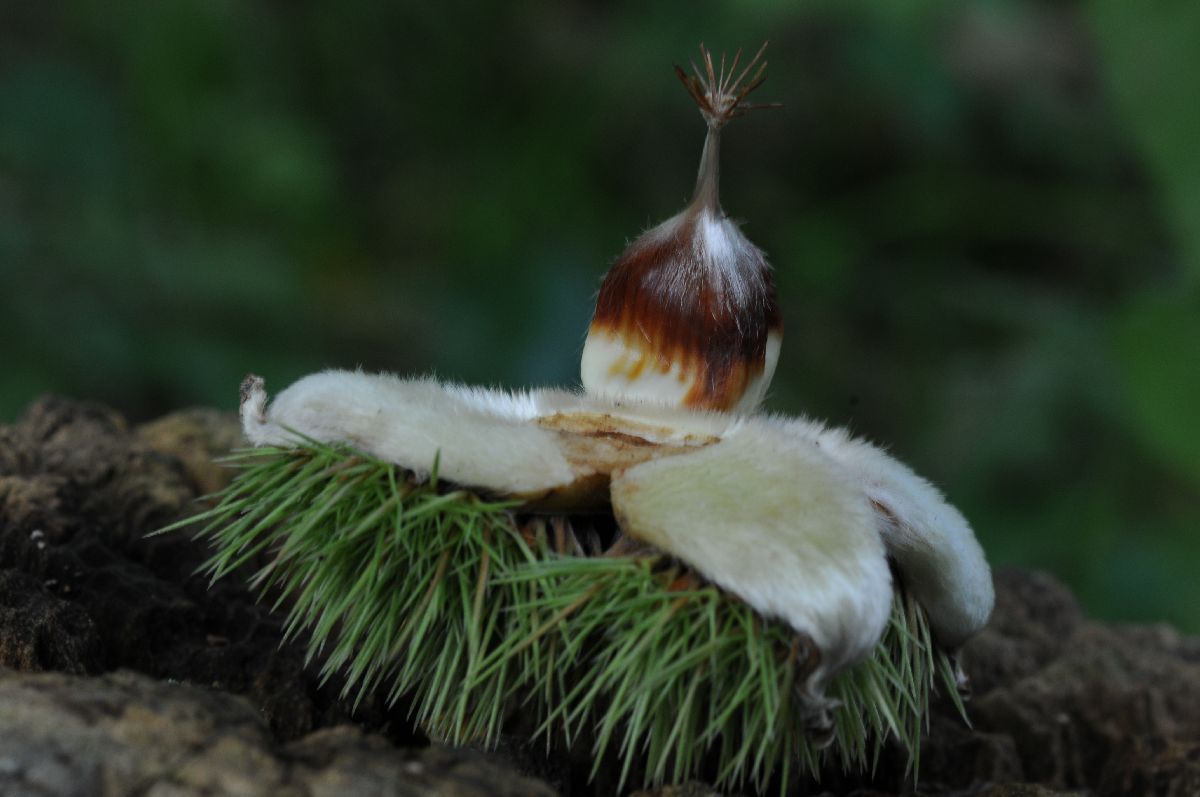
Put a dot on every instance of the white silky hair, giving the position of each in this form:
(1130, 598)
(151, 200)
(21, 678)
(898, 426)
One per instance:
(480, 438)
(718, 248)
(940, 562)
(781, 526)
(721, 246)
(795, 518)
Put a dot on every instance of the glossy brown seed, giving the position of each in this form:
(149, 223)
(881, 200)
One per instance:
(688, 315)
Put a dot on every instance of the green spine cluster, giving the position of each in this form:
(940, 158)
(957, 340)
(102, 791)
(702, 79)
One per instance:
(437, 598)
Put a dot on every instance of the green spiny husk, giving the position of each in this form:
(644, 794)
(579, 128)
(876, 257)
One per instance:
(435, 596)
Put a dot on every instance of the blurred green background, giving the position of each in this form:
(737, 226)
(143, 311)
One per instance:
(984, 218)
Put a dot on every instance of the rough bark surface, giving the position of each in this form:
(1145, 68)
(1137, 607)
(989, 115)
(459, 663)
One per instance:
(121, 673)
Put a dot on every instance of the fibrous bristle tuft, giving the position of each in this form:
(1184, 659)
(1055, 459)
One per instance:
(719, 92)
